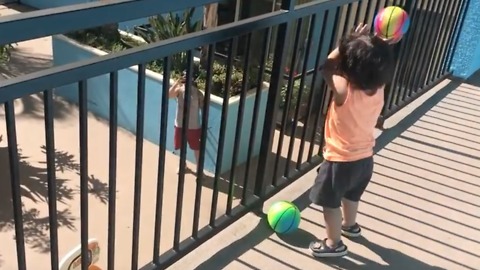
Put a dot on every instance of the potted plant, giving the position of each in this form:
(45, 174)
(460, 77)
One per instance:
(90, 43)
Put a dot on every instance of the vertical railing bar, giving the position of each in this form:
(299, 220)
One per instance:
(388, 87)
(378, 6)
(256, 108)
(203, 140)
(15, 183)
(221, 139)
(421, 45)
(83, 126)
(394, 89)
(373, 13)
(426, 6)
(239, 125)
(286, 109)
(453, 41)
(368, 12)
(347, 19)
(320, 55)
(437, 42)
(51, 178)
(137, 196)
(187, 94)
(299, 98)
(112, 169)
(273, 98)
(416, 82)
(333, 41)
(357, 13)
(161, 158)
(443, 39)
(326, 96)
(401, 74)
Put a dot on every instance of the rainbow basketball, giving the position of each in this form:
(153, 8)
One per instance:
(391, 23)
(283, 217)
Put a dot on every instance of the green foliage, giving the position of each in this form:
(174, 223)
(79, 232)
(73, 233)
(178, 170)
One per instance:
(91, 38)
(294, 97)
(219, 77)
(166, 27)
(5, 53)
(170, 26)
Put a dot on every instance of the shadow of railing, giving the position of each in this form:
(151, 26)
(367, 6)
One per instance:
(34, 194)
(475, 80)
(393, 259)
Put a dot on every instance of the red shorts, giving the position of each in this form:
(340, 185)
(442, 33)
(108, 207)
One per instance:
(193, 138)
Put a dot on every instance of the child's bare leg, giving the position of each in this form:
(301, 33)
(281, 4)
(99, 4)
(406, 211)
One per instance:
(327, 192)
(349, 209)
(197, 155)
(197, 158)
(333, 225)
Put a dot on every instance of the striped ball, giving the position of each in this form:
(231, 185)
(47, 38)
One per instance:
(283, 217)
(391, 23)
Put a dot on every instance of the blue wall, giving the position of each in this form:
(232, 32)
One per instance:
(466, 56)
(65, 52)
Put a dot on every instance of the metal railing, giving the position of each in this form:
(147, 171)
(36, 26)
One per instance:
(424, 58)
(425, 54)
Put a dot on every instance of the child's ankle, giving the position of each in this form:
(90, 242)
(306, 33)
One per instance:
(348, 225)
(332, 243)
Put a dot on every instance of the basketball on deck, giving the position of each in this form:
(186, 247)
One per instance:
(391, 23)
(283, 217)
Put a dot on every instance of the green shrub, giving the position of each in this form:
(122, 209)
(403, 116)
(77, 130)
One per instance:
(5, 53)
(165, 27)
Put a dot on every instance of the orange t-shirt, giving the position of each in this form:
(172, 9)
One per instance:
(350, 128)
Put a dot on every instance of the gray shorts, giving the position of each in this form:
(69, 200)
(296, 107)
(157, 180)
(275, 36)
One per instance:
(337, 180)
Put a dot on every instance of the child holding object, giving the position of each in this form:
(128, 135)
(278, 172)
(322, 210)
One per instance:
(356, 72)
(194, 130)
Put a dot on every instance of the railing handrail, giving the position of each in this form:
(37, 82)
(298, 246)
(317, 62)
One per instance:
(26, 24)
(70, 73)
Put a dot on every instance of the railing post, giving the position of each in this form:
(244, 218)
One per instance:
(456, 35)
(273, 100)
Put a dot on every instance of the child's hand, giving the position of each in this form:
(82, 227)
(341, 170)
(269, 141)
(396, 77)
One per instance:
(362, 28)
(183, 79)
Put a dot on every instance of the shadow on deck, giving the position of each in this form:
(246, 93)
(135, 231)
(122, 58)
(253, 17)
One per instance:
(421, 210)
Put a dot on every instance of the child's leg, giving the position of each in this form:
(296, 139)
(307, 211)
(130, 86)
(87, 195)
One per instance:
(177, 138)
(177, 141)
(327, 192)
(194, 136)
(333, 225)
(349, 209)
(350, 202)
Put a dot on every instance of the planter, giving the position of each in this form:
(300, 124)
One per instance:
(66, 50)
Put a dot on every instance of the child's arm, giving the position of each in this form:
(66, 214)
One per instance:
(201, 99)
(173, 91)
(334, 80)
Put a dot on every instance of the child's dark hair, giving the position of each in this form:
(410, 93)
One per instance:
(366, 61)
